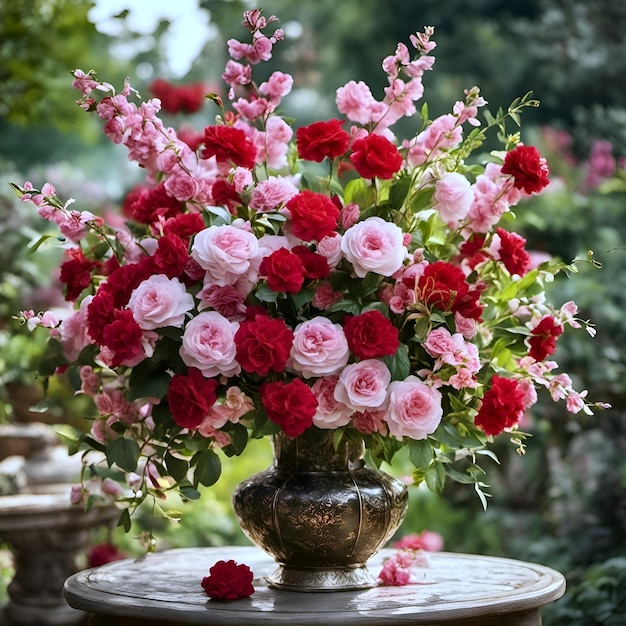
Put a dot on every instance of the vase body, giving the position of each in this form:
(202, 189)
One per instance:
(320, 513)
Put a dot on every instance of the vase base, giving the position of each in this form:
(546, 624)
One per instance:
(322, 579)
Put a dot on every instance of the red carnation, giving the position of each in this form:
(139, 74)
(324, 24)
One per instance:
(184, 225)
(313, 215)
(543, 338)
(528, 168)
(151, 204)
(225, 194)
(124, 279)
(263, 345)
(315, 265)
(100, 313)
(472, 250)
(123, 337)
(170, 257)
(443, 286)
(190, 397)
(227, 581)
(375, 156)
(229, 145)
(502, 406)
(291, 405)
(284, 271)
(371, 335)
(322, 139)
(512, 252)
(76, 273)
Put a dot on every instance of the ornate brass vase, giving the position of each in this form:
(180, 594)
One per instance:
(320, 513)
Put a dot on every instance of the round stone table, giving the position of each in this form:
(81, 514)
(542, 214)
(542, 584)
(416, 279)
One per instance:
(163, 589)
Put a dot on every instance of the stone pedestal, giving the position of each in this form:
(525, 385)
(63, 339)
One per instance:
(46, 534)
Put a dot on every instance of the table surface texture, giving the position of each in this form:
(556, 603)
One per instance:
(164, 588)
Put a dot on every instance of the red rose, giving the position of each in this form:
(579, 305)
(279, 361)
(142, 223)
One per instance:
(313, 215)
(371, 335)
(543, 338)
(170, 257)
(443, 286)
(190, 397)
(512, 253)
(178, 98)
(184, 225)
(229, 145)
(76, 273)
(123, 337)
(291, 405)
(225, 194)
(472, 250)
(322, 139)
(122, 281)
(263, 345)
(528, 168)
(375, 156)
(315, 265)
(502, 406)
(151, 204)
(104, 553)
(284, 271)
(227, 580)
(100, 313)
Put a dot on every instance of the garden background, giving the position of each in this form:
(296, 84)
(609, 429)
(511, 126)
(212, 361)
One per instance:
(564, 503)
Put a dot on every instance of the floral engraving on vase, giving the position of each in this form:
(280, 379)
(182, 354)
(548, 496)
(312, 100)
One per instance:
(320, 513)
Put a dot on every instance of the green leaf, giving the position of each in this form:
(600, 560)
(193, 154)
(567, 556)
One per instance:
(208, 469)
(238, 440)
(359, 191)
(188, 492)
(124, 521)
(147, 384)
(349, 304)
(435, 478)
(399, 191)
(123, 452)
(302, 297)
(398, 364)
(176, 467)
(265, 294)
(421, 453)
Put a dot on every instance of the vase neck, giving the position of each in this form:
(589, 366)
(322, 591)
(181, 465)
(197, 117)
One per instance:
(314, 451)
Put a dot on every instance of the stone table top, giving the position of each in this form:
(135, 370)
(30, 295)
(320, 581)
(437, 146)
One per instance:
(164, 588)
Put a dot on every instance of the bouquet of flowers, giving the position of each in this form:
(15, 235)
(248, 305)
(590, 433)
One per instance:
(273, 278)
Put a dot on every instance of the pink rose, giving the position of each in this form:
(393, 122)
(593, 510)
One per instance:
(363, 385)
(374, 245)
(325, 296)
(414, 409)
(272, 194)
(319, 348)
(181, 186)
(225, 300)
(227, 253)
(453, 197)
(356, 102)
(209, 345)
(330, 248)
(160, 301)
(73, 331)
(329, 413)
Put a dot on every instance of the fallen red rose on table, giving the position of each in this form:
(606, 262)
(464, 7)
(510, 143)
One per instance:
(228, 580)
